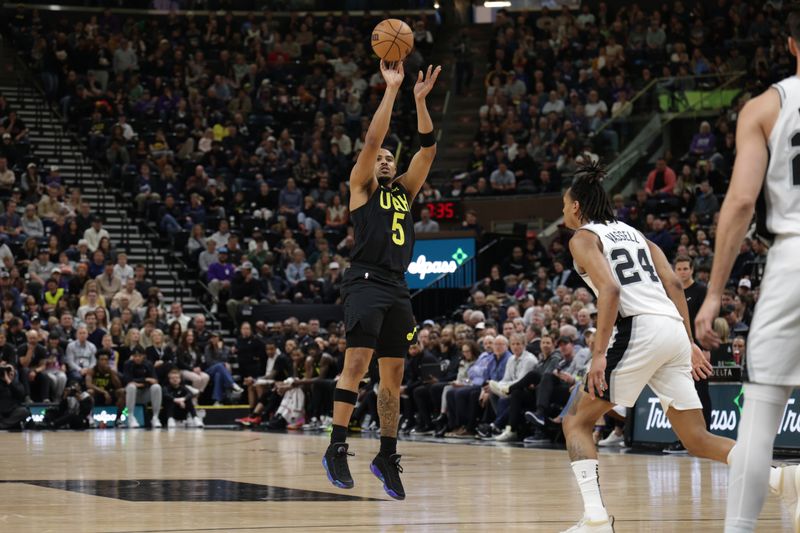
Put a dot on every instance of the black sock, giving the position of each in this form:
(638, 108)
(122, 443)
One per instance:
(388, 446)
(338, 434)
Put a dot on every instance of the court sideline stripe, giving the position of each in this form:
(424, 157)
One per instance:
(530, 522)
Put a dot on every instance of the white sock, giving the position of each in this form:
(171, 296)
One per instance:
(748, 479)
(586, 472)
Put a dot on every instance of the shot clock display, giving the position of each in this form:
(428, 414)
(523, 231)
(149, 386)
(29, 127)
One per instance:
(441, 210)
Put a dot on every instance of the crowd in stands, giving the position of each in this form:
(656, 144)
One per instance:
(561, 83)
(235, 137)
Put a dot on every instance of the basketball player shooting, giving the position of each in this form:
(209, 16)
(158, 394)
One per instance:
(377, 307)
(643, 338)
(767, 162)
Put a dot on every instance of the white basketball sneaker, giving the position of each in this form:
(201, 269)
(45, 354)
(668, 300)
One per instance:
(589, 526)
(613, 439)
(788, 487)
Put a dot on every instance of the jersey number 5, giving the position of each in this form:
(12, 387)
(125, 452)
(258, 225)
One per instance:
(398, 235)
(626, 270)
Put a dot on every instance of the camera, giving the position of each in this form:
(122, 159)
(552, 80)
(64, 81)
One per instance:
(6, 369)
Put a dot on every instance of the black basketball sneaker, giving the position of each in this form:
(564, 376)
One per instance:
(388, 470)
(335, 463)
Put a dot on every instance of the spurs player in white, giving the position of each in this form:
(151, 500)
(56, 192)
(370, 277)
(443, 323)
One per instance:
(767, 162)
(643, 338)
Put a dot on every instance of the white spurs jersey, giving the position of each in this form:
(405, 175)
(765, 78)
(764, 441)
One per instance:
(627, 253)
(781, 189)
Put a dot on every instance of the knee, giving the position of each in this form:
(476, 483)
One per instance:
(155, 389)
(356, 362)
(574, 423)
(130, 387)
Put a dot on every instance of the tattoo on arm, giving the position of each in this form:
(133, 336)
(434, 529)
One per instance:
(388, 411)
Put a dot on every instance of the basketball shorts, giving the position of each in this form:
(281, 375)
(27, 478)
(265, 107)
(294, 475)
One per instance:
(651, 350)
(377, 311)
(773, 344)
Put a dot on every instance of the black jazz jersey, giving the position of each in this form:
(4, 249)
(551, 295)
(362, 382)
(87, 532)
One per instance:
(384, 230)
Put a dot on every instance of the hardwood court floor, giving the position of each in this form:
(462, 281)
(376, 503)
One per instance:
(218, 480)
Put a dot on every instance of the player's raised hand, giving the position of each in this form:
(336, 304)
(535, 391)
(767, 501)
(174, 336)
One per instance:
(701, 366)
(704, 323)
(425, 82)
(596, 377)
(393, 74)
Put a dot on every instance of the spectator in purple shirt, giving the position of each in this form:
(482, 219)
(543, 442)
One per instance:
(703, 143)
(220, 274)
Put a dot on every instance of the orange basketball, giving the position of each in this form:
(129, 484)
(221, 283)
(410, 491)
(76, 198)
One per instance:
(392, 40)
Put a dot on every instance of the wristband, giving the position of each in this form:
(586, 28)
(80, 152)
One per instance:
(426, 140)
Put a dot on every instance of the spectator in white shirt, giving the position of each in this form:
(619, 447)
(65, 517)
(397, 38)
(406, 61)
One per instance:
(554, 104)
(95, 233)
(222, 235)
(340, 138)
(122, 269)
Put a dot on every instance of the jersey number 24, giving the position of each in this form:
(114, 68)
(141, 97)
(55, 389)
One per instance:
(625, 268)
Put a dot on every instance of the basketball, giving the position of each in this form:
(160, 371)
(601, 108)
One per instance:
(392, 40)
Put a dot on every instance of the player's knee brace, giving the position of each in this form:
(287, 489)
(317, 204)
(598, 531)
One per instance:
(345, 396)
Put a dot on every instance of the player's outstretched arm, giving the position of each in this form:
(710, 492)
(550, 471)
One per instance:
(421, 163)
(752, 158)
(585, 248)
(362, 177)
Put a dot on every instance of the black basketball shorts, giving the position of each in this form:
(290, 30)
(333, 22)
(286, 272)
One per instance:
(377, 314)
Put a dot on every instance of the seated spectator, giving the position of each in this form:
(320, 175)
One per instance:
(93, 234)
(337, 215)
(108, 283)
(278, 369)
(704, 143)
(661, 180)
(706, 202)
(104, 384)
(295, 271)
(31, 224)
(517, 367)
(309, 290)
(80, 355)
(189, 358)
(502, 179)
(554, 388)
(141, 386)
(218, 369)
(179, 403)
(425, 224)
(220, 275)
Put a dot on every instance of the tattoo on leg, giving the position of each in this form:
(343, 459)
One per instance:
(388, 411)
